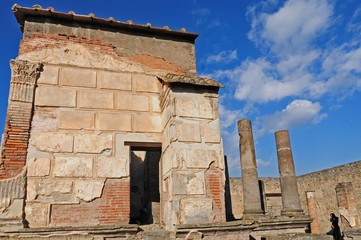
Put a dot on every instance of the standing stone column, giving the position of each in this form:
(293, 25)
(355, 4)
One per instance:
(251, 194)
(289, 191)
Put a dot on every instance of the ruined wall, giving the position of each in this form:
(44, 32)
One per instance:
(136, 44)
(192, 161)
(88, 103)
(103, 91)
(322, 183)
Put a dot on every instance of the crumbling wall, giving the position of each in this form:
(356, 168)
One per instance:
(88, 103)
(323, 185)
(137, 45)
(192, 159)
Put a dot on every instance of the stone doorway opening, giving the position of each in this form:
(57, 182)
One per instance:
(144, 183)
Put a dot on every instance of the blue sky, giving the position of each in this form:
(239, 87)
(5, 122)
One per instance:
(293, 65)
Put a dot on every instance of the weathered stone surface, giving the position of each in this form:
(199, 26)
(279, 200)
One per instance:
(49, 189)
(205, 109)
(196, 210)
(211, 132)
(167, 114)
(188, 132)
(252, 200)
(112, 167)
(96, 99)
(79, 55)
(48, 186)
(52, 142)
(37, 214)
(49, 75)
(38, 167)
(290, 197)
(78, 77)
(146, 83)
(114, 122)
(93, 143)
(31, 189)
(147, 123)
(76, 120)
(45, 120)
(55, 96)
(15, 210)
(168, 160)
(188, 183)
(197, 158)
(155, 103)
(194, 107)
(73, 167)
(88, 190)
(133, 102)
(112, 80)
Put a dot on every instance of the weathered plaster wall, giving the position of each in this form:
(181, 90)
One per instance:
(179, 52)
(322, 183)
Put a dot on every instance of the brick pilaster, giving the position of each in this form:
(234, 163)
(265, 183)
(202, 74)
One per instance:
(347, 206)
(18, 119)
(215, 189)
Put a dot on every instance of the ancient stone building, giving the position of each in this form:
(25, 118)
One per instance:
(110, 134)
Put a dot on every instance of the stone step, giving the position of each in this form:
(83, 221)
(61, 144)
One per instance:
(156, 235)
(10, 224)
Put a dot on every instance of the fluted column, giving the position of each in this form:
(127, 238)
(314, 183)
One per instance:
(289, 191)
(251, 194)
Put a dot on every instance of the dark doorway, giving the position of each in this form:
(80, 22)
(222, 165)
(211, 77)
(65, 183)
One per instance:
(144, 184)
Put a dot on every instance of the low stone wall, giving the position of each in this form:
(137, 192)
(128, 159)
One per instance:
(321, 183)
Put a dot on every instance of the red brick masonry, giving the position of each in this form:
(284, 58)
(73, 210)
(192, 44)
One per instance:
(16, 138)
(113, 207)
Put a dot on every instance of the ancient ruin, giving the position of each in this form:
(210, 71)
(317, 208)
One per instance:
(110, 134)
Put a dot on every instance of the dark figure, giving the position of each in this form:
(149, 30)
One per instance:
(335, 227)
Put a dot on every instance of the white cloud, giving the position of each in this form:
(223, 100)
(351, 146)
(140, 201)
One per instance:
(261, 163)
(201, 12)
(293, 26)
(223, 56)
(355, 23)
(296, 66)
(214, 23)
(228, 117)
(201, 15)
(297, 113)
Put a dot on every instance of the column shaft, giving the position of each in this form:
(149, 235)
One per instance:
(251, 194)
(289, 191)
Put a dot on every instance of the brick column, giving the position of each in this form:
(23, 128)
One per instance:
(289, 191)
(312, 212)
(347, 206)
(251, 194)
(18, 119)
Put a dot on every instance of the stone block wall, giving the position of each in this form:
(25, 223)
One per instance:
(78, 164)
(323, 186)
(192, 158)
